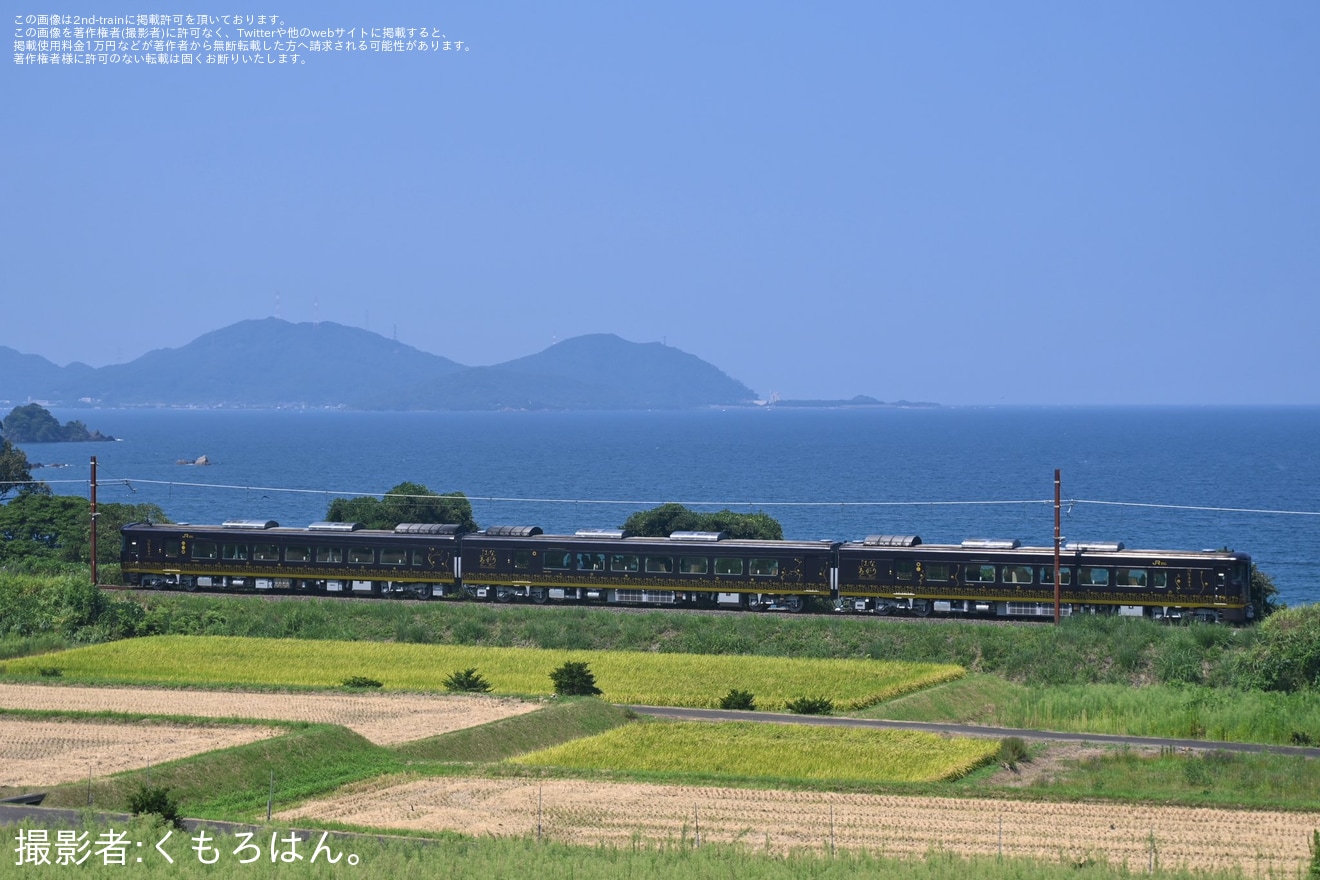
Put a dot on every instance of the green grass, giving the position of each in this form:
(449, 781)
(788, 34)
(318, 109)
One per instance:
(234, 783)
(494, 858)
(625, 677)
(1185, 712)
(1211, 779)
(751, 750)
(556, 723)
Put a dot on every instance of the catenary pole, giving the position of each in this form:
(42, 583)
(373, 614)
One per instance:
(1057, 503)
(94, 578)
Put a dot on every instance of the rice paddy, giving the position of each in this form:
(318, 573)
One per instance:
(625, 677)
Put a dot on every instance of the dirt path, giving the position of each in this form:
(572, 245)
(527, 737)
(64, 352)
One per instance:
(593, 813)
(384, 719)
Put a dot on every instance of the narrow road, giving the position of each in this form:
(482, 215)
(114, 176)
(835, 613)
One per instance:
(973, 730)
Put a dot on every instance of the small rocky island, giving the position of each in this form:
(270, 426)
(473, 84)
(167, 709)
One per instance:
(33, 423)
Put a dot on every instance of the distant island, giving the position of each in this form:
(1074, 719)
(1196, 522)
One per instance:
(33, 423)
(274, 364)
(858, 401)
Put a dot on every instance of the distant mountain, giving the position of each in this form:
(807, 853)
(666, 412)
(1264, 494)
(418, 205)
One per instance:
(598, 371)
(270, 362)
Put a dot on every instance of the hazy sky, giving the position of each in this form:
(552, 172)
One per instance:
(959, 202)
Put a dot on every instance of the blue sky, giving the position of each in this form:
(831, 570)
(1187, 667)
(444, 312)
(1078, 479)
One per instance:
(959, 202)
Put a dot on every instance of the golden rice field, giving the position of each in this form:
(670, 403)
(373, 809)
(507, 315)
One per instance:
(757, 750)
(695, 680)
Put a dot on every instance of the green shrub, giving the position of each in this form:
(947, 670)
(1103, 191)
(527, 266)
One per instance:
(156, 801)
(1013, 751)
(361, 681)
(810, 706)
(467, 681)
(736, 699)
(574, 679)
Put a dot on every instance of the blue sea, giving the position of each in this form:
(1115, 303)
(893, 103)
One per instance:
(1166, 478)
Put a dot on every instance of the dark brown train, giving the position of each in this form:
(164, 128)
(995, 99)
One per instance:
(883, 574)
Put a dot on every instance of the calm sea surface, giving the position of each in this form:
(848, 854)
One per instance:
(839, 474)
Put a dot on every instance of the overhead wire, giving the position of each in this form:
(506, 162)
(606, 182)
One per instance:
(511, 499)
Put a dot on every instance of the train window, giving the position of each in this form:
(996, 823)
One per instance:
(660, 564)
(940, 571)
(620, 562)
(1091, 576)
(763, 567)
(591, 561)
(693, 564)
(329, 554)
(419, 557)
(266, 552)
(1129, 577)
(558, 559)
(1159, 579)
(1047, 575)
(1017, 574)
(905, 569)
(234, 552)
(361, 555)
(522, 559)
(297, 554)
(979, 574)
(389, 556)
(174, 548)
(204, 550)
(728, 565)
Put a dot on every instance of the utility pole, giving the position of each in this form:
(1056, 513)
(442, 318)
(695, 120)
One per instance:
(94, 578)
(1057, 503)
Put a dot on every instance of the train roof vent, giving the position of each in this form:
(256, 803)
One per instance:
(255, 524)
(427, 529)
(514, 531)
(990, 544)
(1094, 546)
(698, 536)
(334, 527)
(602, 533)
(892, 540)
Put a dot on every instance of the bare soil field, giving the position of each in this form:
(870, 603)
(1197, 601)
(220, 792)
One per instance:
(384, 719)
(585, 812)
(42, 753)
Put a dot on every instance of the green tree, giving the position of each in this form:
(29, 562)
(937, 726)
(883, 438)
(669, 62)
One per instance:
(38, 527)
(574, 679)
(1264, 594)
(406, 502)
(15, 471)
(660, 522)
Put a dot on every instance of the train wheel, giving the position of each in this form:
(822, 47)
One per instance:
(794, 604)
(503, 595)
(425, 591)
(921, 607)
(190, 585)
(539, 596)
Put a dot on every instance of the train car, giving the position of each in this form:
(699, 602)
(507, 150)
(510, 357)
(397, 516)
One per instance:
(882, 574)
(414, 559)
(704, 569)
(887, 573)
